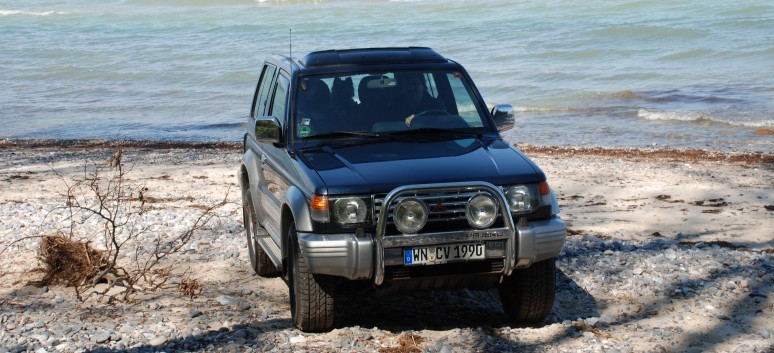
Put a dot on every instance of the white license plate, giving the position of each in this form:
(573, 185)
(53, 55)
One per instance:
(440, 254)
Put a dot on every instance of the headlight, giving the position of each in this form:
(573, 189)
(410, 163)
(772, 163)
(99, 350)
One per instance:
(350, 210)
(519, 198)
(410, 216)
(481, 211)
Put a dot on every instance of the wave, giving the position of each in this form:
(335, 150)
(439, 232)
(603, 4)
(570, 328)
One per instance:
(222, 126)
(645, 114)
(678, 96)
(31, 13)
(577, 109)
(649, 32)
(531, 109)
(699, 117)
(714, 96)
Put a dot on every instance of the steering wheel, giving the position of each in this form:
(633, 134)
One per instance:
(425, 115)
(431, 112)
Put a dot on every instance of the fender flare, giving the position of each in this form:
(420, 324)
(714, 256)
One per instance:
(299, 207)
(250, 166)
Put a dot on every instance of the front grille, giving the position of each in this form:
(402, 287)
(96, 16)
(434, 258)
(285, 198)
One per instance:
(447, 209)
(458, 268)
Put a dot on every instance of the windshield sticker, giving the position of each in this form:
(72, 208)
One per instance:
(457, 75)
(306, 121)
(304, 131)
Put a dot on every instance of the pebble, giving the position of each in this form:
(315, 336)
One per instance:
(297, 339)
(101, 337)
(157, 341)
(31, 291)
(7, 294)
(226, 300)
(592, 321)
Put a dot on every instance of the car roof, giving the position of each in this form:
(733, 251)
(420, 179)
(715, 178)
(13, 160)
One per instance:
(363, 59)
(371, 56)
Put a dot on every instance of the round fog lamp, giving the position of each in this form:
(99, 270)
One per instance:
(481, 211)
(349, 210)
(410, 216)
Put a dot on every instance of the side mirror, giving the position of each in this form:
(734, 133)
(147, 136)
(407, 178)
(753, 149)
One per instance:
(503, 117)
(268, 130)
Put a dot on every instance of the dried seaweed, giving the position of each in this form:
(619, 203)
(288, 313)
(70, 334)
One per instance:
(70, 262)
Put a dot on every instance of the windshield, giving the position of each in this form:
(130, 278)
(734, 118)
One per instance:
(386, 102)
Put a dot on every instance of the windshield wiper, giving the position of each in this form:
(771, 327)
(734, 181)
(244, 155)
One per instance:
(434, 131)
(339, 134)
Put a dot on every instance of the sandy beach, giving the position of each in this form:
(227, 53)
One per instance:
(668, 251)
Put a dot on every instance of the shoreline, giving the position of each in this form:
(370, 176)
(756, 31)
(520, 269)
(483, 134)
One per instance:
(669, 154)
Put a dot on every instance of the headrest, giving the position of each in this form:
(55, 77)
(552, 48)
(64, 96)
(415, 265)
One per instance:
(369, 87)
(315, 94)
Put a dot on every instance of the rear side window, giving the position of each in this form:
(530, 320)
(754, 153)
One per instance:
(280, 99)
(262, 95)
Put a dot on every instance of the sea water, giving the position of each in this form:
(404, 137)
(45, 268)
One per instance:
(676, 74)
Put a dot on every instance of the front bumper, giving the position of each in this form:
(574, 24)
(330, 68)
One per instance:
(363, 257)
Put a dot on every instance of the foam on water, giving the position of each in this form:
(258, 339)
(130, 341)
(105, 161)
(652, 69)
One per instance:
(31, 13)
(700, 117)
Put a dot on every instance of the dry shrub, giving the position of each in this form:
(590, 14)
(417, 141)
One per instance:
(69, 262)
(407, 343)
(106, 208)
(190, 287)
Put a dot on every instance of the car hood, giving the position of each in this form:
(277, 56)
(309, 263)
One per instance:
(380, 167)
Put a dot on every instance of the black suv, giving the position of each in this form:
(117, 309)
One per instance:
(383, 169)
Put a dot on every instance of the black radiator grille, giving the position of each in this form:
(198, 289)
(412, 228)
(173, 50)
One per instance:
(459, 268)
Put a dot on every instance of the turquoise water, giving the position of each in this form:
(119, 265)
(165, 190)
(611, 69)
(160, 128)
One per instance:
(682, 74)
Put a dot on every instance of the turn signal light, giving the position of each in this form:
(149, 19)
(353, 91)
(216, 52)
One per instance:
(543, 188)
(320, 202)
(320, 209)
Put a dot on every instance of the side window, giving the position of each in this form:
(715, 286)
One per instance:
(466, 108)
(261, 100)
(430, 84)
(280, 99)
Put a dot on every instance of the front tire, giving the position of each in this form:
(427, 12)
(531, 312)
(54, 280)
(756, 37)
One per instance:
(259, 260)
(311, 296)
(528, 294)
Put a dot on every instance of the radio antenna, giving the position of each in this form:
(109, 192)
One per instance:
(290, 40)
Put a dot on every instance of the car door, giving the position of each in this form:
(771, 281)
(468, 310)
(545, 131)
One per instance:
(275, 182)
(264, 91)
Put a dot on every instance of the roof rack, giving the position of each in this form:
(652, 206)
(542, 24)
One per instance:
(371, 56)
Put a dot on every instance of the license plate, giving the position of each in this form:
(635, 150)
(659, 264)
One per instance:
(440, 254)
